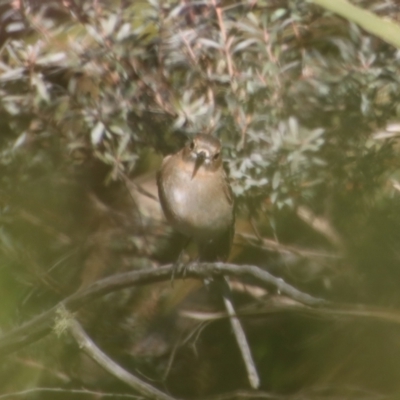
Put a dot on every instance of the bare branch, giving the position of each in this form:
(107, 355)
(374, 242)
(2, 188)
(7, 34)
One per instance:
(240, 336)
(275, 246)
(281, 304)
(321, 225)
(89, 347)
(91, 393)
(41, 325)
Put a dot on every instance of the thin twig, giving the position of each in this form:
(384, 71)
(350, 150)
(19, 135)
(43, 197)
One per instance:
(92, 393)
(240, 336)
(190, 51)
(225, 39)
(87, 345)
(321, 225)
(275, 246)
(286, 305)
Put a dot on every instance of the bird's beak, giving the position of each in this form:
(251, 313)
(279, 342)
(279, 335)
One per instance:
(199, 161)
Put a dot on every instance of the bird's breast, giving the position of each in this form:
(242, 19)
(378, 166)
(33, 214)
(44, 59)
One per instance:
(197, 206)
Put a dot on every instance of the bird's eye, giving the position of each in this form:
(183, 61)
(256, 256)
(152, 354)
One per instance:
(191, 145)
(216, 155)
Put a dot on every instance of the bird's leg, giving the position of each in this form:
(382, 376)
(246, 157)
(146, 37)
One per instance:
(179, 266)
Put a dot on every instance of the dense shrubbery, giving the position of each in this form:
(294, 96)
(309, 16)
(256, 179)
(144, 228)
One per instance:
(306, 104)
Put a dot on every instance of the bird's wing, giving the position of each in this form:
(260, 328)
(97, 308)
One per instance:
(228, 190)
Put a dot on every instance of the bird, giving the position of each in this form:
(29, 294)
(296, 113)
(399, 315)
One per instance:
(196, 196)
(198, 202)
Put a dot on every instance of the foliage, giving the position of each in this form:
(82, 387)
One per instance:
(93, 93)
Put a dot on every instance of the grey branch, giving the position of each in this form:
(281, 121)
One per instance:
(89, 347)
(240, 336)
(41, 325)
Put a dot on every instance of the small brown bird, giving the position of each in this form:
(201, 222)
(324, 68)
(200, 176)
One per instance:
(196, 197)
(197, 200)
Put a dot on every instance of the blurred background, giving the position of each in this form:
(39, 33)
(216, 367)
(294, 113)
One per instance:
(94, 93)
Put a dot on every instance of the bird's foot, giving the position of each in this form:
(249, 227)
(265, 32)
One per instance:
(178, 268)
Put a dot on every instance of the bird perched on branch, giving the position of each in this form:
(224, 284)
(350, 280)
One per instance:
(196, 197)
(197, 201)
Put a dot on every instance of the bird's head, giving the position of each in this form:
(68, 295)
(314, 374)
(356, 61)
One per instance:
(204, 152)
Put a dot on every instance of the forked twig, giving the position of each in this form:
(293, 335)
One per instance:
(87, 345)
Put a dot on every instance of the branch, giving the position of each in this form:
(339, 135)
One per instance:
(275, 246)
(89, 347)
(240, 336)
(282, 304)
(41, 325)
(81, 392)
(383, 28)
(321, 225)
